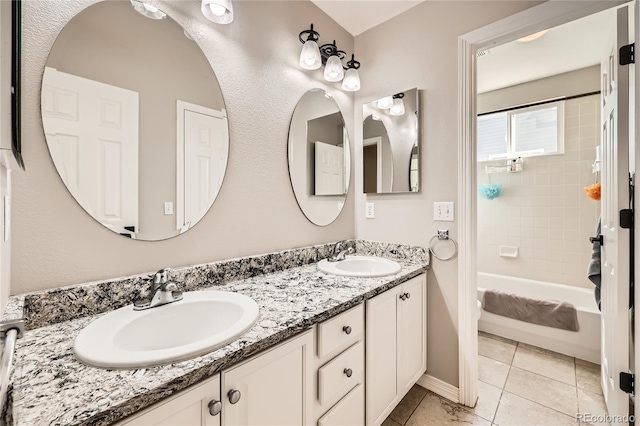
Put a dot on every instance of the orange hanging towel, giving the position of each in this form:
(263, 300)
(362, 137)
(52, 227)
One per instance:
(593, 191)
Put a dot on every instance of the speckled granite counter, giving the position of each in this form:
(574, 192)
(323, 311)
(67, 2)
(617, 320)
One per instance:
(50, 387)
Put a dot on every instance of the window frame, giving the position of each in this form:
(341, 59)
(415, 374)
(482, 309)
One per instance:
(510, 145)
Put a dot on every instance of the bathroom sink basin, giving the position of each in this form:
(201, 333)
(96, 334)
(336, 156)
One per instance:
(360, 266)
(199, 323)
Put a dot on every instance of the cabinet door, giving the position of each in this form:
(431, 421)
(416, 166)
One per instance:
(381, 359)
(412, 346)
(188, 408)
(274, 387)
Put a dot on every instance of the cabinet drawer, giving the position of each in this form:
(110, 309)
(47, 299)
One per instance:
(333, 377)
(348, 412)
(341, 331)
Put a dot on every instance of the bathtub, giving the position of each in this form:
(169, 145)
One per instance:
(583, 344)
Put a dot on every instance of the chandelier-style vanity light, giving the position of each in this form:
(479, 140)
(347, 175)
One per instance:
(398, 105)
(148, 10)
(218, 11)
(313, 57)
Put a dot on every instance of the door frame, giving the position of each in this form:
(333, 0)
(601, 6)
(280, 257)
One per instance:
(181, 107)
(377, 141)
(537, 18)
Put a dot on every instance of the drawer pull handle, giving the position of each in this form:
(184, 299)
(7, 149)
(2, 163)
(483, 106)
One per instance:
(348, 372)
(234, 396)
(215, 407)
(346, 329)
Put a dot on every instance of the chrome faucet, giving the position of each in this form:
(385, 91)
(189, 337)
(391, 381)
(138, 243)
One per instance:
(161, 292)
(339, 253)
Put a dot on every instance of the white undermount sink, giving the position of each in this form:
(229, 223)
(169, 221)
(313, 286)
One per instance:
(199, 323)
(360, 266)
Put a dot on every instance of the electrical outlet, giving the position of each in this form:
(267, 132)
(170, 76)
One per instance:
(443, 211)
(168, 208)
(369, 211)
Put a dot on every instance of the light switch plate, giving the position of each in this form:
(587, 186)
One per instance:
(443, 211)
(369, 211)
(168, 208)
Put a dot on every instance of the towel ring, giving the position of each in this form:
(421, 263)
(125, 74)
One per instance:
(443, 234)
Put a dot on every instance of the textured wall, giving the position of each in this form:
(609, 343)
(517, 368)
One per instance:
(419, 49)
(543, 210)
(55, 243)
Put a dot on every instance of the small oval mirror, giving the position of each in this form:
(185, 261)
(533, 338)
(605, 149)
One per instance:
(319, 157)
(135, 120)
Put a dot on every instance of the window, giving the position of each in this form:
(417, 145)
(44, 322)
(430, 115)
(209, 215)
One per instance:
(523, 132)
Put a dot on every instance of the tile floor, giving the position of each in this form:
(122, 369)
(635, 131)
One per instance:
(519, 385)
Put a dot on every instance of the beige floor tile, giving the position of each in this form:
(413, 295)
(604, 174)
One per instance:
(547, 363)
(543, 390)
(488, 399)
(593, 404)
(434, 410)
(407, 406)
(498, 338)
(588, 376)
(492, 371)
(389, 422)
(495, 349)
(514, 410)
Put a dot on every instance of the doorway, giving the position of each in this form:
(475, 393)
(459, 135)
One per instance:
(526, 23)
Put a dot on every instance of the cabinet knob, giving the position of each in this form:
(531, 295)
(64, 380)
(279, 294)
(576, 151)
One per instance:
(234, 396)
(408, 295)
(348, 372)
(402, 296)
(346, 329)
(215, 407)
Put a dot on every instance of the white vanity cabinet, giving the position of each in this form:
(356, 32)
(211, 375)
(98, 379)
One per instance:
(273, 388)
(198, 405)
(396, 349)
(339, 370)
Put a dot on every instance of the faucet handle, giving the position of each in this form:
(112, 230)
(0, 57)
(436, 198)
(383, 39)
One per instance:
(338, 247)
(162, 276)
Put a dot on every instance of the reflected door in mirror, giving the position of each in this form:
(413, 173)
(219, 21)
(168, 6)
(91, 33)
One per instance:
(92, 131)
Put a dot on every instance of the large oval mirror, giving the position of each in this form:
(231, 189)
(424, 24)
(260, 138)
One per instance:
(390, 152)
(135, 120)
(319, 157)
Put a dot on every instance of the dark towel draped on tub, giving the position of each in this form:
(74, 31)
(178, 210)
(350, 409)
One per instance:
(593, 270)
(549, 313)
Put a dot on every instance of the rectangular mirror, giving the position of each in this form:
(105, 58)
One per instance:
(390, 152)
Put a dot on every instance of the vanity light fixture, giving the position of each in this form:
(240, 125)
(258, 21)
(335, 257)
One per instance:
(148, 10)
(385, 103)
(398, 105)
(351, 82)
(310, 58)
(313, 57)
(218, 11)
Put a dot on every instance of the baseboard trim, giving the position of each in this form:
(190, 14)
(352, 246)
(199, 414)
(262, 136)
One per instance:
(439, 387)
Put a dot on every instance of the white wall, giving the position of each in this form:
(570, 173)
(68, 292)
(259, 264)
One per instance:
(55, 243)
(419, 49)
(543, 210)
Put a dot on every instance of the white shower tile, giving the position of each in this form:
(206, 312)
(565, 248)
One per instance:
(571, 178)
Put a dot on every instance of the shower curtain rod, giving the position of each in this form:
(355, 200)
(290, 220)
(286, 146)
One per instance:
(565, 98)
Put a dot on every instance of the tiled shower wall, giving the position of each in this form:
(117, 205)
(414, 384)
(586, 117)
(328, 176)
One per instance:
(543, 210)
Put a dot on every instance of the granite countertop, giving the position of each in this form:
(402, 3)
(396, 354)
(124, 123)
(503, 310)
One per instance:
(50, 387)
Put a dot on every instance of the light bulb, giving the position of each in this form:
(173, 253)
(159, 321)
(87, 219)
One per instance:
(397, 108)
(385, 103)
(217, 9)
(351, 82)
(310, 56)
(333, 70)
(375, 117)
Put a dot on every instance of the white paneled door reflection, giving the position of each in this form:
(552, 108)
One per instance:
(92, 133)
(205, 158)
(329, 169)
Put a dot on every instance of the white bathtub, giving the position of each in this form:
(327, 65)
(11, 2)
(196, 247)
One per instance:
(583, 344)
